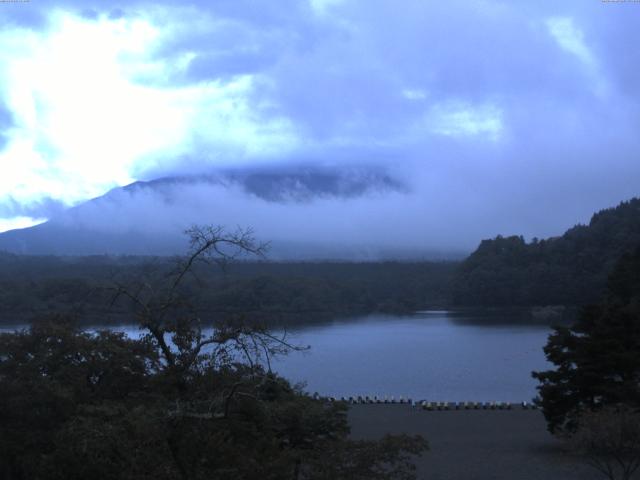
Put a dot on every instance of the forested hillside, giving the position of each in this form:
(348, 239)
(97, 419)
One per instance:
(570, 270)
(290, 291)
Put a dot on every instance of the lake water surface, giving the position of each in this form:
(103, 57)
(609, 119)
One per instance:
(433, 355)
(437, 355)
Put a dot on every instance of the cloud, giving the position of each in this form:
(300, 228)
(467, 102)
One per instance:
(6, 122)
(324, 7)
(79, 125)
(14, 214)
(414, 94)
(14, 223)
(524, 114)
(460, 120)
(85, 120)
(380, 218)
(44, 208)
(570, 38)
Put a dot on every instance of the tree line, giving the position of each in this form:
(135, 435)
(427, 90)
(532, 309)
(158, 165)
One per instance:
(568, 270)
(290, 291)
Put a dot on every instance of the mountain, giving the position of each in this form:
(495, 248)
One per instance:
(305, 212)
(288, 183)
(568, 270)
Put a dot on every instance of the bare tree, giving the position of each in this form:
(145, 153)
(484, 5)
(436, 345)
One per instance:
(172, 323)
(609, 439)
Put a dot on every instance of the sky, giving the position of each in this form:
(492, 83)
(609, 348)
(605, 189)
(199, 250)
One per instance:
(495, 117)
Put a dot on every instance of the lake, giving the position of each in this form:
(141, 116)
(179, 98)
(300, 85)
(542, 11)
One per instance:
(433, 355)
(436, 355)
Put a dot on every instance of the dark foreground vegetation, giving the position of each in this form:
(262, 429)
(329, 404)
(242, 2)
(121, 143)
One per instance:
(567, 270)
(592, 396)
(598, 357)
(177, 403)
(80, 406)
(274, 292)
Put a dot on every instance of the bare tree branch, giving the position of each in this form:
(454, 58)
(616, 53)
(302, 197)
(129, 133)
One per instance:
(161, 308)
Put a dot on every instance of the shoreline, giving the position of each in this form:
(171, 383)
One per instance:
(475, 444)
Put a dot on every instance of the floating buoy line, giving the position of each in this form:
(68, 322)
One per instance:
(430, 405)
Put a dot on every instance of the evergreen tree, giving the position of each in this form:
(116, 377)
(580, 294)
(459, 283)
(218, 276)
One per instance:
(568, 270)
(598, 358)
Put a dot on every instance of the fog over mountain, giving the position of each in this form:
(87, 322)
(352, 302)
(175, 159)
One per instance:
(304, 212)
(347, 125)
(356, 212)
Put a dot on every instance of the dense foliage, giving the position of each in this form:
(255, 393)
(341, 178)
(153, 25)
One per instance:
(598, 358)
(181, 402)
(76, 405)
(567, 270)
(290, 291)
